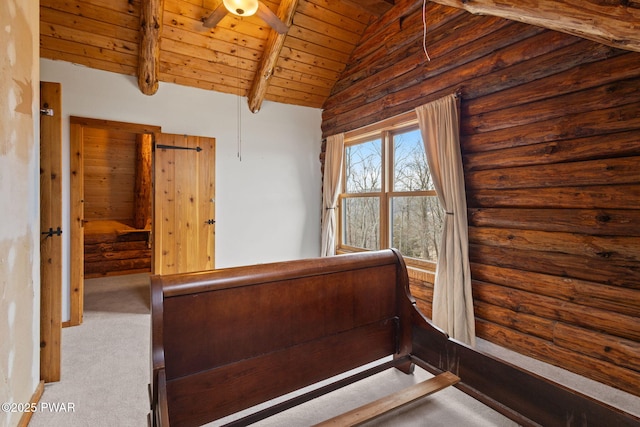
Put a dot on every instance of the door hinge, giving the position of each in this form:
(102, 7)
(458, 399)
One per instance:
(52, 232)
(177, 147)
(210, 221)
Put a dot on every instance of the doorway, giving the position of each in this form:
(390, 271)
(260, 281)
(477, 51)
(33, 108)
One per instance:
(110, 210)
(181, 234)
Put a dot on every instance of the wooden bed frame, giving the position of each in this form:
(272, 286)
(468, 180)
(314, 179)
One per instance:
(227, 340)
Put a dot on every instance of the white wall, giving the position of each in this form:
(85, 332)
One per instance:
(19, 205)
(267, 204)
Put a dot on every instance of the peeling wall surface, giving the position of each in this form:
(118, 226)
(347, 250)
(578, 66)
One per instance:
(19, 205)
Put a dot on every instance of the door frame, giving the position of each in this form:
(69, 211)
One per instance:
(76, 209)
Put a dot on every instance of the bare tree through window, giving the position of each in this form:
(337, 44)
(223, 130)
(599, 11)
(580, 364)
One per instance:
(414, 214)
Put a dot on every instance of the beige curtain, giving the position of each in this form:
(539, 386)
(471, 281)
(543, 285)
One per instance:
(330, 192)
(452, 300)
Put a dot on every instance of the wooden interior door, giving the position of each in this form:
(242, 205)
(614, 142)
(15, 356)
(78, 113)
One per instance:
(51, 228)
(184, 204)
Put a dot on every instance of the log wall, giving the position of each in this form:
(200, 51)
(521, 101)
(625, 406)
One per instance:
(550, 137)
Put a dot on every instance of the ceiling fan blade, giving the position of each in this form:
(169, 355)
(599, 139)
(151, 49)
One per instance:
(271, 18)
(216, 16)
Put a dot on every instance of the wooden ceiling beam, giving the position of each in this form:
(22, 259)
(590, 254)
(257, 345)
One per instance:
(613, 23)
(149, 54)
(270, 56)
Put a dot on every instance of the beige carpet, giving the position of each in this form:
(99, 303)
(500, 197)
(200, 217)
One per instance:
(105, 372)
(105, 361)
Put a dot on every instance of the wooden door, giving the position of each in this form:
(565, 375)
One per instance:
(51, 228)
(184, 204)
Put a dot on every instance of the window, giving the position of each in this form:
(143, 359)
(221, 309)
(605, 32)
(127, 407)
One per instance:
(388, 198)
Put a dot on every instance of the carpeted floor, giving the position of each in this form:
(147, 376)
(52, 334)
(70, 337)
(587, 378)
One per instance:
(106, 369)
(105, 361)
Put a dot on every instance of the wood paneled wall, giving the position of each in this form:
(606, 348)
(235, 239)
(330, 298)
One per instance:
(550, 135)
(115, 239)
(109, 174)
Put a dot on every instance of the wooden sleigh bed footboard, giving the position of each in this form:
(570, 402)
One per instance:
(227, 340)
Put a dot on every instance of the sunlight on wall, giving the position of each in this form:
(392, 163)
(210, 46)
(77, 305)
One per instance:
(19, 198)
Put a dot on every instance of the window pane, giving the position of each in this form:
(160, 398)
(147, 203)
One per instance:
(410, 170)
(364, 167)
(361, 222)
(417, 226)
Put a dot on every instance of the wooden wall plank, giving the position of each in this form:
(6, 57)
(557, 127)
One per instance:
(538, 348)
(607, 222)
(621, 144)
(109, 174)
(620, 273)
(582, 292)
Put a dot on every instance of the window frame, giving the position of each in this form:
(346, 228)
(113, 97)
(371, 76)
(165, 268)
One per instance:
(385, 131)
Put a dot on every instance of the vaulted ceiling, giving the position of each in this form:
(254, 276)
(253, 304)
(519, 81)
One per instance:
(166, 41)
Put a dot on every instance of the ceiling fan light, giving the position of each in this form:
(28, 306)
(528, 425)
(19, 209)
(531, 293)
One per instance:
(241, 7)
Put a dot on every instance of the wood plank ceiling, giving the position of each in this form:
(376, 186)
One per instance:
(105, 34)
(245, 56)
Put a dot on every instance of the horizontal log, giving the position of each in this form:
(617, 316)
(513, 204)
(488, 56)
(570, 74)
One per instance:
(522, 322)
(377, 35)
(558, 61)
(404, 49)
(595, 197)
(600, 222)
(100, 257)
(116, 246)
(92, 239)
(620, 325)
(618, 249)
(623, 170)
(584, 76)
(107, 267)
(599, 370)
(452, 62)
(621, 352)
(621, 144)
(563, 265)
(581, 292)
(422, 291)
(447, 56)
(610, 95)
(467, 69)
(571, 126)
